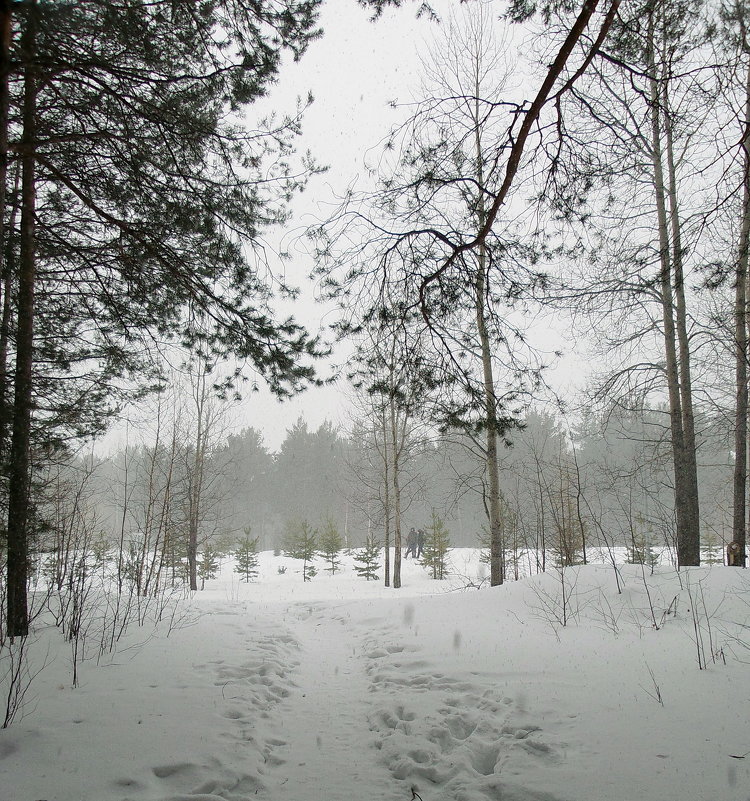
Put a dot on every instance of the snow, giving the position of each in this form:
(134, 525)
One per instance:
(339, 689)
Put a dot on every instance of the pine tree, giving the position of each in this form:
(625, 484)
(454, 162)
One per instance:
(330, 545)
(301, 543)
(208, 564)
(436, 548)
(142, 199)
(175, 557)
(368, 559)
(246, 557)
(640, 551)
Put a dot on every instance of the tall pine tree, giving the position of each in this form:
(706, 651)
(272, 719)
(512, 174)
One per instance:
(141, 195)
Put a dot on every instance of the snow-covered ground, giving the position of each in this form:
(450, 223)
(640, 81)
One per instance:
(339, 689)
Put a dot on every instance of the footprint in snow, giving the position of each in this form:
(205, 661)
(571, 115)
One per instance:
(466, 743)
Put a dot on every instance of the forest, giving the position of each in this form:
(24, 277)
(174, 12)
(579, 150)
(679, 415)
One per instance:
(576, 168)
(605, 483)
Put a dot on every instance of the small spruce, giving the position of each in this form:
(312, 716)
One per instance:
(436, 548)
(641, 552)
(208, 564)
(330, 544)
(246, 557)
(300, 542)
(366, 560)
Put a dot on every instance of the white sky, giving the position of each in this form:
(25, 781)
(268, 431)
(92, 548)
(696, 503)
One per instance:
(354, 71)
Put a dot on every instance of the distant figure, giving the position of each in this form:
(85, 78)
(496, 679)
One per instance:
(734, 555)
(420, 543)
(411, 544)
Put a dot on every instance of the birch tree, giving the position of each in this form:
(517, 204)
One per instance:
(631, 166)
(388, 377)
(428, 261)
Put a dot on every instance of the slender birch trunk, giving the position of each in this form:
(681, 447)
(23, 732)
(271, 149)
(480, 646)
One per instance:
(688, 544)
(497, 571)
(395, 458)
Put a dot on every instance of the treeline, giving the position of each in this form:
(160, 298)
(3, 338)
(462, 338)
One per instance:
(604, 481)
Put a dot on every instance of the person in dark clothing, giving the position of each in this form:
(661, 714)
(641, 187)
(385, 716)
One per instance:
(411, 544)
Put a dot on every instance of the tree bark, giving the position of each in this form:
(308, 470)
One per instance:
(6, 21)
(198, 470)
(488, 379)
(691, 546)
(19, 500)
(395, 454)
(7, 277)
(493, 474)
(739, 504)
(688, 538)
(386, 500)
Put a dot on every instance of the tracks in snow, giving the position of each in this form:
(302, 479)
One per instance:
(321, 706)
(324, 750)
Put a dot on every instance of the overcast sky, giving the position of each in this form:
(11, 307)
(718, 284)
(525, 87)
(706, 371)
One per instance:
(354, 72)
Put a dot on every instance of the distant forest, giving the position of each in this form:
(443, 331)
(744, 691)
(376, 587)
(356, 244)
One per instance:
(606, 481)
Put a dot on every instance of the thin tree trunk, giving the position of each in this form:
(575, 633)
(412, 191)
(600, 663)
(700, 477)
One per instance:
(685, 549)
(541, 544)
(196, 490)
(579, 510)
(395, 451)
(691, 551)
(386, 499)
(19, 468)
(739, 505)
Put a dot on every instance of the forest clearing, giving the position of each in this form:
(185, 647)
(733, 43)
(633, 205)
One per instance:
(339, 688)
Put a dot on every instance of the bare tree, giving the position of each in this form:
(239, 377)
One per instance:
(464, 148)
(203, 427)
(389, 379)
(636, 156)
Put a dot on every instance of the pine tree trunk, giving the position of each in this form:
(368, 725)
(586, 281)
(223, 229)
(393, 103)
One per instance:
(691, 551)
(6, 316)
(19, 466)
(739, 504)
(6, 26)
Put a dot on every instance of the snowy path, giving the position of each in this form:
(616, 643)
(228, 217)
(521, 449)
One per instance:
(368, 710)
(288, 691)
(320, 752)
